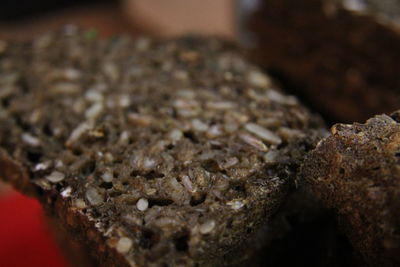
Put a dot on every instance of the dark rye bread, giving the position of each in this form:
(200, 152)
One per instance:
(341, 57)
(356, 171)
(150, 153)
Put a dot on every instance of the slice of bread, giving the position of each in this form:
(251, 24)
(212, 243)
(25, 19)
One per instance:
(340, 56)
(356, 172)
(149, 153)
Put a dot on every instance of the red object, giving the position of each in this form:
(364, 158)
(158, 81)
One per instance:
(24, 237)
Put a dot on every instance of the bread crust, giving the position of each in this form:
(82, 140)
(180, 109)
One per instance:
(356, 172)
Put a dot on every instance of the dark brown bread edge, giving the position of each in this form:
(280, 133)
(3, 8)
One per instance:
(343, 64)
(356, 172)
(67, 219)
(14, 173)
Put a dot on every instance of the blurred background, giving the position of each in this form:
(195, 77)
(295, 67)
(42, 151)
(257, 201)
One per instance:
(24, 18)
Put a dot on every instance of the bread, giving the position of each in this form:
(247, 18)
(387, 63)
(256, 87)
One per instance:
(356, 172)
(149, 152)
(340, 57)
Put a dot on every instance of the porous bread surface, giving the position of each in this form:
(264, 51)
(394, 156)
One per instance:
(356, 171)
(175, 151)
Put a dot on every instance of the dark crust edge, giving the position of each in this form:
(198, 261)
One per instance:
(12, 172)
(68, 219)
(323, 162)
(346, 100)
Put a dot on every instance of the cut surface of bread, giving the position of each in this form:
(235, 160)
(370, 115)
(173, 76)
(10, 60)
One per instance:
(150, 153)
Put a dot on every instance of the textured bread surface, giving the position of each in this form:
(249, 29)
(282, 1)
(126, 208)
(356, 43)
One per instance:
(151, 153)
(356, 172)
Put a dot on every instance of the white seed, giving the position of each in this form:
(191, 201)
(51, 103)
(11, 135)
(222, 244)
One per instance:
(270, 122)
(175, 135)
(79, 203)
(65, 88)
(96, 133)
(124, 245)
(206, 155)
(290, 134)
(57, 131)
(224, 62)
(66, 192)
(30, 139)
(43, 183)
(214, 131)
(132, 219)
(77, 132)
(94, 96)
(185, 104)
(239, 117)
(236, 204)
(355, 5)
(93, 196)
(231, 127)
(258, 97)
(107, 177)
(263, 133)
(251, 140)
(151, 191)
(108, 157)
(59, 164)
(180, 75)
(142, 204)
(166, 222)
(55, 177)
(100, 87)
(35, 116)
(277, 97)
(221, 185)
(188, 113)
(111, 71)
(198, 125)
(124, 138)
(258, 79)
(186, 94)
(98, 225)
(149, 163)
(42, 166)
(176, 190)
(72, 74)
(222, 105)
(271, 156)
(124, 101)
(94, 111)
(139, 119)
(159, 146)
(187, 183)
(207, 227)
(230, 162)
